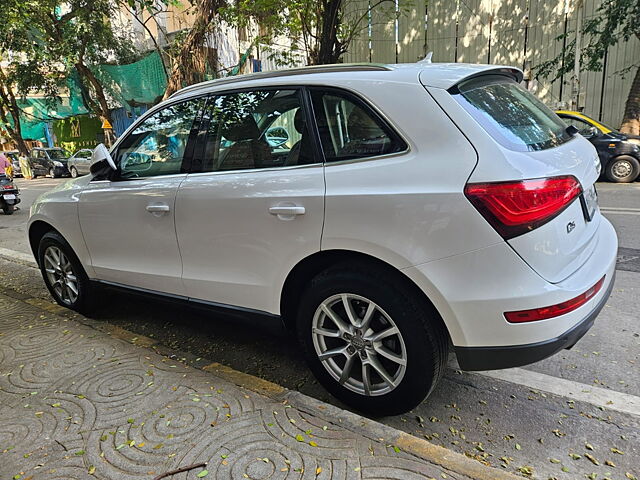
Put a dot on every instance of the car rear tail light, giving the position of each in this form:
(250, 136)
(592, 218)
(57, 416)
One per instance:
(554, 310)
(514, 208)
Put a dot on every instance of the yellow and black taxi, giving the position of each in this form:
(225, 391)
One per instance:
(619, 153)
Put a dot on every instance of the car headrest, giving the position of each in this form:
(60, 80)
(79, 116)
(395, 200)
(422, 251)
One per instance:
(244, 128)
(299, 120)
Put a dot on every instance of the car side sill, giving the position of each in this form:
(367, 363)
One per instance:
(495, 358)
(221, 309)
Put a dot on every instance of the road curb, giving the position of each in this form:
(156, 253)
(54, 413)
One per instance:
(375, 431)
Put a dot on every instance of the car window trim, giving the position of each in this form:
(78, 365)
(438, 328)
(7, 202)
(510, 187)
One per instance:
(369, 108)
(198, 158)
(114, 176)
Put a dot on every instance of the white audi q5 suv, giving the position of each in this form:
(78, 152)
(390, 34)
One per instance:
(386, 213)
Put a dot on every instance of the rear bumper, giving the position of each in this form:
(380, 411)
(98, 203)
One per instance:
(493, 358)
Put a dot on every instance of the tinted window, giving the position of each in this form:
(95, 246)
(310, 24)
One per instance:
(510, 114)
(256, 129)
(157, 145)
(57, 154)
(349, 129)
(583, 127)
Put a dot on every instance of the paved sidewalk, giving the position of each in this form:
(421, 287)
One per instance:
(76, 402)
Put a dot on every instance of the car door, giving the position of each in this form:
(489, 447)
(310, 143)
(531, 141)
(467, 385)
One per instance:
(36, 162)
(82, 161)
(253, 207)
(128, 221)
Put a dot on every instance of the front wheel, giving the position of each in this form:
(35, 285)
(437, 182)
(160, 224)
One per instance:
(52, 173)
(372, 341)
(63, 274)
(623, 169)
(74, 172)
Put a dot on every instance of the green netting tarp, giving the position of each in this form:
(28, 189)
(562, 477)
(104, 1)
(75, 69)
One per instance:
(36, 112)
(139, 83)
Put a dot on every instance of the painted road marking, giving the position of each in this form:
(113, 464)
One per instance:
(600, 397)
(620, 211)
(23, 257)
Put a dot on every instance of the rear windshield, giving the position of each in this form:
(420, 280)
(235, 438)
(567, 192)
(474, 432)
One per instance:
(510, 114)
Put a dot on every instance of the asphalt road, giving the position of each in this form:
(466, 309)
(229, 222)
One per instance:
(563, 417)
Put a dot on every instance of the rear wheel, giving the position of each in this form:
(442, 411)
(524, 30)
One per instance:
(63, 274)
(370, 340)
(74, 172)
(623, 169)
(8, 209)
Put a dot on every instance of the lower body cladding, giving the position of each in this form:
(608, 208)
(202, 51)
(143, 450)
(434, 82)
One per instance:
(473, 291)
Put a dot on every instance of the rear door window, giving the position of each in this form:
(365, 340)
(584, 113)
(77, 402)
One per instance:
(349, 129)
(510, 114)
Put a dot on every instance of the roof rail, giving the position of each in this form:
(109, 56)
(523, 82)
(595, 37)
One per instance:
(339, 67)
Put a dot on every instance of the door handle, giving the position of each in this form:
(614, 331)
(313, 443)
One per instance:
(158, 208)
(287, 210)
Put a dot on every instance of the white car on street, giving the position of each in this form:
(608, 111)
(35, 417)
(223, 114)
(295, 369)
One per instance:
(387, 214)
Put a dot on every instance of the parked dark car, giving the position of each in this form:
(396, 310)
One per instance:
(80, 162)
(619, 153)
(49, 161)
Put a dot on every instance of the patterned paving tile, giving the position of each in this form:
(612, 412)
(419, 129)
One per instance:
(76, 403)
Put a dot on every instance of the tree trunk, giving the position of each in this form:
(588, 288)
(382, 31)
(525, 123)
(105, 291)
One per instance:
(99, 105)
(631, 118)
(191, 64)
(8, 101)
(329, 48)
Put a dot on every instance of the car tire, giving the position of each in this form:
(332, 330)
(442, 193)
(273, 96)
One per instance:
(74, 172)
(9, 209)
(421, 341)
(63, 274)
(52, 173)
(623, 169)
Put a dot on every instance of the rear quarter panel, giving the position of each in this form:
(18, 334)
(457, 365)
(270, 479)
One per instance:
(406, 208)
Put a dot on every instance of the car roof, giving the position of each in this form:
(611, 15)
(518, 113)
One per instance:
(439, 75)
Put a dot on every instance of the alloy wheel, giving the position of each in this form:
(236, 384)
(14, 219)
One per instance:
(60, 275)
(359, 344)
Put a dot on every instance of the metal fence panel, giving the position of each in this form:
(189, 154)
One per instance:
(411, 31)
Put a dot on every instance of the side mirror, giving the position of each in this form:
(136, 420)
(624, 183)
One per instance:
(276, 136)
(101, 158)
(589, 132)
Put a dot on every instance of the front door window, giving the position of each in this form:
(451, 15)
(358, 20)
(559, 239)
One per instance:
(157, 145)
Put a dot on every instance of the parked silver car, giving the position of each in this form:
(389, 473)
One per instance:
(80, 162)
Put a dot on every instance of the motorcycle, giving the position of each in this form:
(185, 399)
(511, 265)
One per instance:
(8, 195)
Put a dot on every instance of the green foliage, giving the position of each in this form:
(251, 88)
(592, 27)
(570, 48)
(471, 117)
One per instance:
(323, 28)
(51, 38)
(614, 21)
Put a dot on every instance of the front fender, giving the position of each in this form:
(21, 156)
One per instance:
(58, 210)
